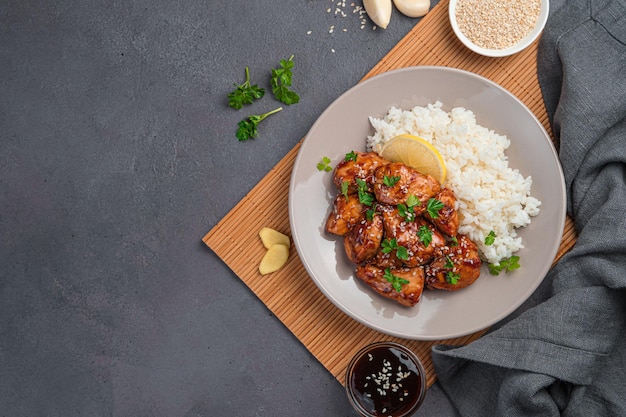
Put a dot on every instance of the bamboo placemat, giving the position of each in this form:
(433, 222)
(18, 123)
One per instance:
(329, 334)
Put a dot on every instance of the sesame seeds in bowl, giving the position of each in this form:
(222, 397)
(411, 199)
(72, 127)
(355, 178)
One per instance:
(498, 28)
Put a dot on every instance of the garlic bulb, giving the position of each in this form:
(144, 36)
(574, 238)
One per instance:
(379, 11)
(412, 8)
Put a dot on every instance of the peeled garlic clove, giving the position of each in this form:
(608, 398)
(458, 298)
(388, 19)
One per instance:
(274, 259)
(379, 11)
(271, 237)
(412, 8)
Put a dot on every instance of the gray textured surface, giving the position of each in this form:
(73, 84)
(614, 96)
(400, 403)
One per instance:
(117, 154)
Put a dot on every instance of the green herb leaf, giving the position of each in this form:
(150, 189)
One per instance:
(448, 264)
(247, 128)
(369, 214)
(281, 81)
(402, 253)
(244, 93)
(452, 278)
(413, 201)
(396, 281)
(433, 206)
(390, 181)
(324, 165)
(351, 156)
(345, 185)
(361, 184)
(490, 238)
(506, 265)
(365, 198)
(388, 245)
(454, 241)
(425, 235)
(407, 212)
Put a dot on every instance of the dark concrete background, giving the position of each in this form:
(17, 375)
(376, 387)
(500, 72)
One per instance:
(117, 155)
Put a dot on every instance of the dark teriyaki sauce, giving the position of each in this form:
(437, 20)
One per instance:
(386, 382)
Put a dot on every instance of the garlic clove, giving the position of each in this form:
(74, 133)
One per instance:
(271, 237)
(412, 8)
(274, 259)
(379, 11)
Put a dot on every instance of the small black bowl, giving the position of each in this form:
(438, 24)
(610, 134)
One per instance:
(385, 379)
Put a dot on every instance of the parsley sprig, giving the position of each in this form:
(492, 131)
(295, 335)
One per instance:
(389, 245)
(407, 210)
(369, 213)
(433, 206)
(245, 93)
(396, 281)
(425, 235)
(281, 81)
(391, 181)
(506, 265)
(247, 128)
(324, 165)
(345, 186)
(452, 278)
(364, 196)
(351, 156)
(490, 238)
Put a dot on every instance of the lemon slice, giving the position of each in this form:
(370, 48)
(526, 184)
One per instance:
(416, 153)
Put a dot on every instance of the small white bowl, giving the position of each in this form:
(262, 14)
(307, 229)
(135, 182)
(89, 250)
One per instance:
(521, 45)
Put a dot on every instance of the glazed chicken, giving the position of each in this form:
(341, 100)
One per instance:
(456, 270)
(407, 182)
(346, 213)
(363, 241)
(409, 294)
(362, 166)
(400, 228)
(447, 220)
(413, 235)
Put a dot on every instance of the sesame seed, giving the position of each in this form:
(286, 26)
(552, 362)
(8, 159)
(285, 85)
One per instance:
(494, 24)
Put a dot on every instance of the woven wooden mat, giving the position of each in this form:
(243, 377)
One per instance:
(330, 335)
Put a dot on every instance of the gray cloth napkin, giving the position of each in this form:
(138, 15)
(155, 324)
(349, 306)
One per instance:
(564, 351)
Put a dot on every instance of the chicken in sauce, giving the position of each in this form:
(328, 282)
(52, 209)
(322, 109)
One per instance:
(400, 228)
(402, 182)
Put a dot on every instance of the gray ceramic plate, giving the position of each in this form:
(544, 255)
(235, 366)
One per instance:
(344, 126)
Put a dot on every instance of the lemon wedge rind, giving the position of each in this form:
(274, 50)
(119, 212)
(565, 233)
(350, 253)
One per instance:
(417, 153)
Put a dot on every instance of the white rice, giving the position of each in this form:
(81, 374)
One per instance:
(491, 195)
